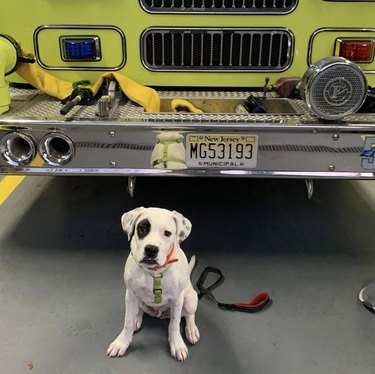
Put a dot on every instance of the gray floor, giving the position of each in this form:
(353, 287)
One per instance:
(62, 253)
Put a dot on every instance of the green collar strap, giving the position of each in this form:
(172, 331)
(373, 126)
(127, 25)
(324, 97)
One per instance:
(158, 284)
(158, 289)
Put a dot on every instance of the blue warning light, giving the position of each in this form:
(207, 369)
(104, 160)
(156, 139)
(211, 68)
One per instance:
(80, 49)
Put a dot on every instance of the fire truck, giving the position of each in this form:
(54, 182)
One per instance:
(231, 88)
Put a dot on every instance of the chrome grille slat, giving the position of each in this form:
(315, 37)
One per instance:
(219, 6)
(213, 49)
(270, 51)
(280, 49)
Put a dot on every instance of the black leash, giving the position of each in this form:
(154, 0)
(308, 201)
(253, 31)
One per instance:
(255, 305)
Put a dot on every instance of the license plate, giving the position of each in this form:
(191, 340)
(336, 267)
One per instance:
(238, 151)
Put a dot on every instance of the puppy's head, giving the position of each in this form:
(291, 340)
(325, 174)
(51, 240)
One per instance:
(153, 232)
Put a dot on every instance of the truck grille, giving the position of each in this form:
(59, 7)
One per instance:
(219, 6)
(217, 49)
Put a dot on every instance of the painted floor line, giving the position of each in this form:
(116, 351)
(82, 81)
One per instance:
(11, 182)
(8, 185)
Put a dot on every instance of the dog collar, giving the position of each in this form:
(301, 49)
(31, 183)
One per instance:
(168, 261)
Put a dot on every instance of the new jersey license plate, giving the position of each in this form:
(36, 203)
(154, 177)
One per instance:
(238, 151)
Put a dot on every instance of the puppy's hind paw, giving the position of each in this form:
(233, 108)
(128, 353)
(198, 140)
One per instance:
(117, 348)
(192, 334)
(138, 322)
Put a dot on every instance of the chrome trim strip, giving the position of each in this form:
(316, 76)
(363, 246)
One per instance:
(49, 124)
(80, 27)
(214, 30)
(217, 11)
(334, 29)
(186, 172)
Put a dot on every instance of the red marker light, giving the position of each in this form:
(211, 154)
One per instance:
(355, 50)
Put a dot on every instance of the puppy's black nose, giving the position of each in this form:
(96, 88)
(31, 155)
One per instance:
(151, 251)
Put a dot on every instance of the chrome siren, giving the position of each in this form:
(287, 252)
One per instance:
(333, 88)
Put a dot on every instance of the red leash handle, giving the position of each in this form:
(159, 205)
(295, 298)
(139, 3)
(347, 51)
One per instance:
(257, 303)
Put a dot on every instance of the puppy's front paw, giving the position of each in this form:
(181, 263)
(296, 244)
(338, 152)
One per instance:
(118, 347)
(178, 348)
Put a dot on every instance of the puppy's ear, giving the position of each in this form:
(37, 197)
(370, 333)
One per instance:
(183, 226)
(129, 219)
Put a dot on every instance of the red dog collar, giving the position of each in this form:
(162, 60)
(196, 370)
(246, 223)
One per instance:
(168, 261)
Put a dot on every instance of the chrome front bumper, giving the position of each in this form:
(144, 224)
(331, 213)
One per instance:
(293, 145)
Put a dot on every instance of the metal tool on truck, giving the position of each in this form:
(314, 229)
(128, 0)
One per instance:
(241, 88)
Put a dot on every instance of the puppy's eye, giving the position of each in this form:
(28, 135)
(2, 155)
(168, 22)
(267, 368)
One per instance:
(167, 233)
(143, 228)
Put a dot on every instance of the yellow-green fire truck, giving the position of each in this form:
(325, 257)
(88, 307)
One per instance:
(252, 88)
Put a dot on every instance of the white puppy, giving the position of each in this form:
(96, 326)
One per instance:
(157, 278)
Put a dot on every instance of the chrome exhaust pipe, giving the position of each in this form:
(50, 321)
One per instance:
(17, 148)
(56, 149)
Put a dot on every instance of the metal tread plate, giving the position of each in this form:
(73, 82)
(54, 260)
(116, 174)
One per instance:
(31, 104)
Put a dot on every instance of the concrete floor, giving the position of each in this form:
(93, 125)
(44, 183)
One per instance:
(62, 253)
